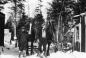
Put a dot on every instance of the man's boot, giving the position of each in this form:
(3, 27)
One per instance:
(20, 54)
(24, 53)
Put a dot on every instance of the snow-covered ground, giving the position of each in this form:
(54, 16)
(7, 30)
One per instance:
(74, 54)
(13, 52)
(59, 54)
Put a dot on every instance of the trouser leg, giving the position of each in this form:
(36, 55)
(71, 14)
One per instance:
(27, 49)
(24, 53)
(48, 49)
(20, 53)
(40, 47)
(31, 47)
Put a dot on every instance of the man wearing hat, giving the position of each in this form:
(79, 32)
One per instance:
(22, 41)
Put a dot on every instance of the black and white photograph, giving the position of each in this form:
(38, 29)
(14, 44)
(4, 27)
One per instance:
(42, 28)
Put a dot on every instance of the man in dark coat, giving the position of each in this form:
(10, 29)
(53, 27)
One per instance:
(22, 41)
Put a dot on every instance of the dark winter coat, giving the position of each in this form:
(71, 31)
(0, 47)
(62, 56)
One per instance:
(22, 40)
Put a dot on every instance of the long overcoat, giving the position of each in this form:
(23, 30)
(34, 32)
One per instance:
(22, 40)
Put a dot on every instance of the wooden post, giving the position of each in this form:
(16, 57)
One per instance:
(80, 33)
(85, 33)
(2, 20)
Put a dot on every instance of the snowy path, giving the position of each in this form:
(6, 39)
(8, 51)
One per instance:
(13, 52)
(59, 54)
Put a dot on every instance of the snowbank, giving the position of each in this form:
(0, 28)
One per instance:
(7, 38)
(8, 56)
(58, 54)
(16, 56)
(33, 56)
(79, 54)
(74, 54)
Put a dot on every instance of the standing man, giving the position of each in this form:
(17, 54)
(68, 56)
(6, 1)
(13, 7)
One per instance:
(22, 41)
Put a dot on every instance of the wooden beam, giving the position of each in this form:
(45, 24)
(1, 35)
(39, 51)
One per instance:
(80, 15)
(85, 33)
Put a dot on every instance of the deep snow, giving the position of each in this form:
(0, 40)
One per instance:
(58, 54)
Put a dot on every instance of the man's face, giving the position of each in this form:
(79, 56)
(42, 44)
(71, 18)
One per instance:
(22, 29)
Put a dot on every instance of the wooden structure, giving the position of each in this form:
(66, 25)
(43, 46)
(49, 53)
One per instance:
(2, 20)
(80, 32)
